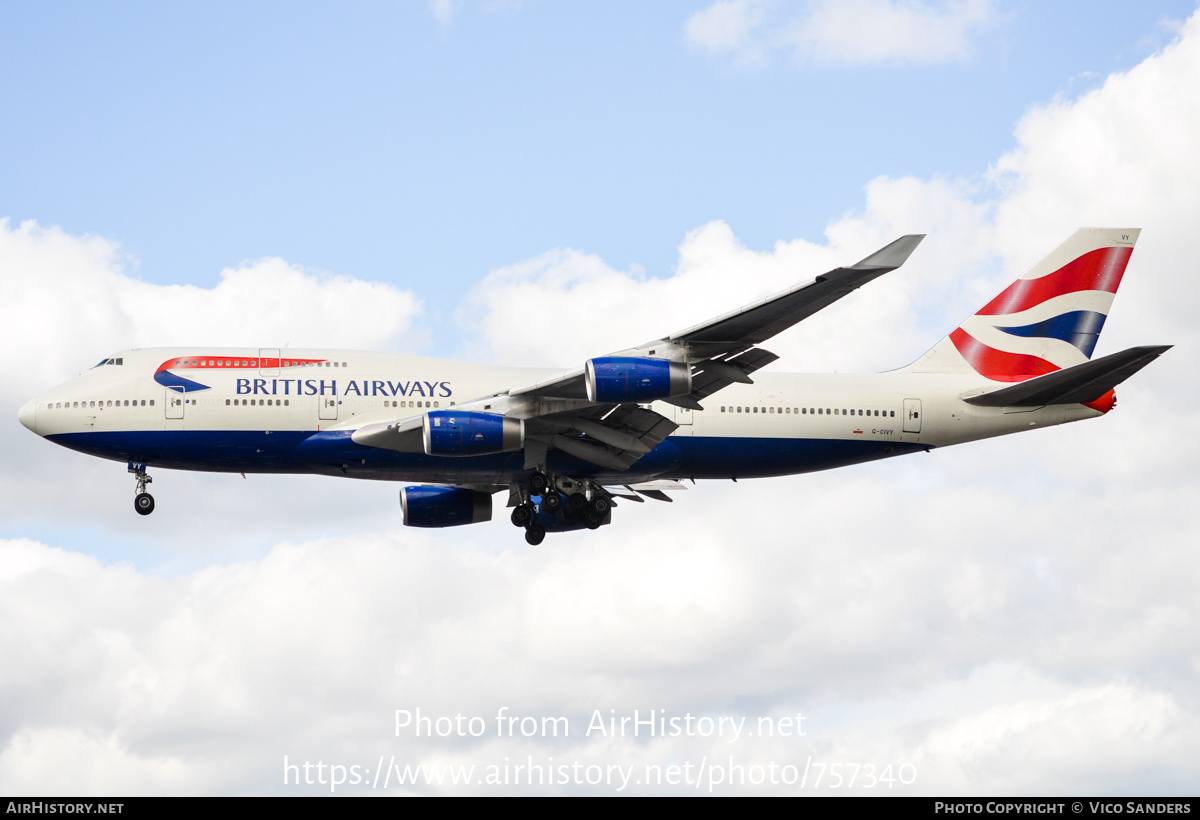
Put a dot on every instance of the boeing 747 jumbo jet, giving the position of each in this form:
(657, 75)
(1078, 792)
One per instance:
(629, 425)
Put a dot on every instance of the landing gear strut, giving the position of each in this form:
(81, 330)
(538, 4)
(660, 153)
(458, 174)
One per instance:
(143, 502)
(580, 502)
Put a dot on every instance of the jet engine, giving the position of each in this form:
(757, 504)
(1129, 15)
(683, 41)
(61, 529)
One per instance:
(456, 433)
(444, 506)
(617, 380)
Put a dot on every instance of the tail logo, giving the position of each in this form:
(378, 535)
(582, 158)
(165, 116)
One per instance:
(1076, 317)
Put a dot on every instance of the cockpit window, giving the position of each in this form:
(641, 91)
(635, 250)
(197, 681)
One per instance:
(108, 361)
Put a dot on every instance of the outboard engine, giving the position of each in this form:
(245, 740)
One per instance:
(444, 506)
(619, 379)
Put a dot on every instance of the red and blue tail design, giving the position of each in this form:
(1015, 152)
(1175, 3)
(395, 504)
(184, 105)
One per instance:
(1048, 319)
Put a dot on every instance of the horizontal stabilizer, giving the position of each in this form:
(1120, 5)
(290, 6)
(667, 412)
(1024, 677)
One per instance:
(1074, 385)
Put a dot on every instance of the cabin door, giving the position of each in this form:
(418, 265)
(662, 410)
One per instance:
(173, 402)
(912, 415)
(683, 417)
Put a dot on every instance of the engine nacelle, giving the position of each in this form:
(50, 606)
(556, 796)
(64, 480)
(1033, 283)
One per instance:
(618, 380)
(444, 506)
(459, 433)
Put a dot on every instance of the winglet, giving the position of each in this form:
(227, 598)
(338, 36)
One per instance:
(891, 256)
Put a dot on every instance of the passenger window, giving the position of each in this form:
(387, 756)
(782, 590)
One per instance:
(286, 403)
(151, 402)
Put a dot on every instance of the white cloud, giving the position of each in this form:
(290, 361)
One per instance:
(842, 32)
(444, 11)
(871, 31)
(75, 298)
(728, 26)
(70, 301)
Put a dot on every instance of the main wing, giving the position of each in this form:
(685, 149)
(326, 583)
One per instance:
(723, 350)
(597, 413)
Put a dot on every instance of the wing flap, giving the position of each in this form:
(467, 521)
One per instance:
(713, 375)
(651, 489)
(610, 436)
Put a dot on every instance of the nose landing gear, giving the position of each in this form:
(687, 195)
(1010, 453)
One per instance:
(143, 502)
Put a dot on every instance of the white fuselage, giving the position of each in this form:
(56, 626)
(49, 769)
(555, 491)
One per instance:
(251, 410)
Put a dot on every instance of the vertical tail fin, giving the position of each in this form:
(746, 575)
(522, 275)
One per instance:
(1048, 319)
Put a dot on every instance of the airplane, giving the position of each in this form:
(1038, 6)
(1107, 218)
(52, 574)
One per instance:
(630, 425)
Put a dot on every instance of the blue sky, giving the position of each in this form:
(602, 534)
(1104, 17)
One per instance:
(536, 183)
(372, 140)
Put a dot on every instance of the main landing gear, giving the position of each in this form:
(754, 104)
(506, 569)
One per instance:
(575, 508)
(143, 502)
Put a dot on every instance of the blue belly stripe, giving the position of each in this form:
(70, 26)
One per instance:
(335, 453)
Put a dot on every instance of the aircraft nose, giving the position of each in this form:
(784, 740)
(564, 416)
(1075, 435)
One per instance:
(28, 414)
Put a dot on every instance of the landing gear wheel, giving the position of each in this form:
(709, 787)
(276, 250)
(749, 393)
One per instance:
(538, 483)
(577, 503)
(143, 503)
(552, 502)
(522, 515)
(593, 521)
(534, 535)
(599, 505)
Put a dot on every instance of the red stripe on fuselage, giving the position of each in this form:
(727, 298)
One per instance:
(222, 363)
(1100, 269)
